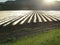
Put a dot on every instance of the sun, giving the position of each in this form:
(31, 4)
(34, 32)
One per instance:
(49, 1)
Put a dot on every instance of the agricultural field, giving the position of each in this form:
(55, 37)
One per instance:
(34, 27)
(51, 37)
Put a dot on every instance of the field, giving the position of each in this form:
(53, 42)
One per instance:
(51, 37)
(32, 28)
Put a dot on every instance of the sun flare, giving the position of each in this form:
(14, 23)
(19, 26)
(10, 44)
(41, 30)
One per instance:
(49, 1)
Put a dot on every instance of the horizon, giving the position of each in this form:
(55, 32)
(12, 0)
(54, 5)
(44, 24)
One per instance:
(14, 0)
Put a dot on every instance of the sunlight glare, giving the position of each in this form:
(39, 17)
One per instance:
(49, 1)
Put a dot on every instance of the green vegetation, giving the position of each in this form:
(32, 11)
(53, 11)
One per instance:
(51, 37)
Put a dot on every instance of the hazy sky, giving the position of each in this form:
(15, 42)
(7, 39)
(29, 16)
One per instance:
(6, 0)
(3, 0)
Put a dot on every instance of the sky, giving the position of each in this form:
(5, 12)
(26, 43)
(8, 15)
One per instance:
(6, 0)
(3, 0)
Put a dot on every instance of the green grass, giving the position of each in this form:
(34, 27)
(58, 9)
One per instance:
(51, 37)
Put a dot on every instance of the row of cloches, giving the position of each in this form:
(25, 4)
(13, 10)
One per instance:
(32, 17)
